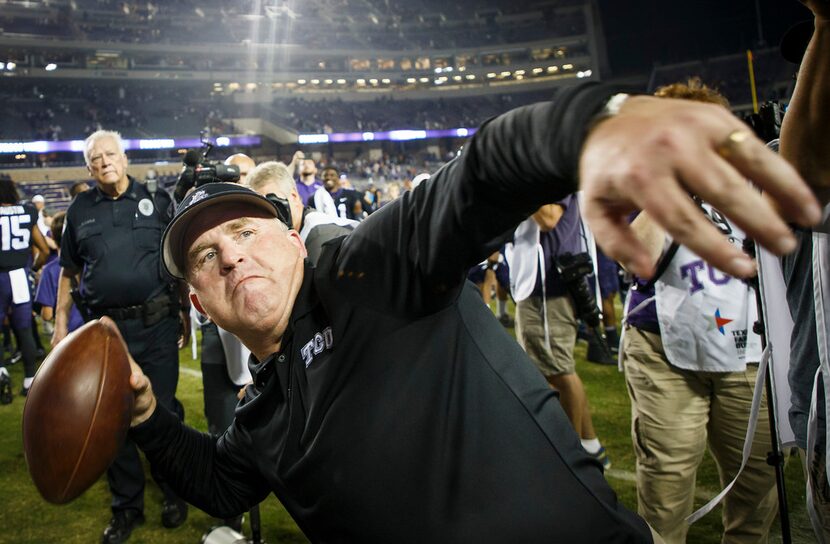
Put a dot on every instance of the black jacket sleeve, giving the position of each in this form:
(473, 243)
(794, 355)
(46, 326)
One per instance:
(214, 474)
(411, 256)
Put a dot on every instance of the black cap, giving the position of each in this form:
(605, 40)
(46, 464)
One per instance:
(209, 194)
(795, 41)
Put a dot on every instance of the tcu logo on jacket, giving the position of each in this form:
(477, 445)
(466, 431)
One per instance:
(315, 346)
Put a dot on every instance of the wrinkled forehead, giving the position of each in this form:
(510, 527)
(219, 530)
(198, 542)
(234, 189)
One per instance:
(215, 218)
(104, 143)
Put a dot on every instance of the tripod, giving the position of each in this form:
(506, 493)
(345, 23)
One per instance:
(775, 457)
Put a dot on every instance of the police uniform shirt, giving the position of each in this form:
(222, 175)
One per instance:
(116, 244)
(16, 224)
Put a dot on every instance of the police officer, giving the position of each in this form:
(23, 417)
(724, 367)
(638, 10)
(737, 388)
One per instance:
(111, 240)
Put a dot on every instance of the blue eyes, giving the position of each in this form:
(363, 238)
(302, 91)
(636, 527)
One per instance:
(211, 254)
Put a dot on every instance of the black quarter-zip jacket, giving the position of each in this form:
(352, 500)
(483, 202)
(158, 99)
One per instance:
(398, 409)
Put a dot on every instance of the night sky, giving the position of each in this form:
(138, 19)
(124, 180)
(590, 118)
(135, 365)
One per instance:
(640, 33)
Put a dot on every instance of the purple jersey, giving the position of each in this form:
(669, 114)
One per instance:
(47, 292)
(306, 192)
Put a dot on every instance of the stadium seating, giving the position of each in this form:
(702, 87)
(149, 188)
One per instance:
(306, 116)
(319, 23)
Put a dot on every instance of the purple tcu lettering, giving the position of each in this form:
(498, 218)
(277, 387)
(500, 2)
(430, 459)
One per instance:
(718, 281)
(690, 270)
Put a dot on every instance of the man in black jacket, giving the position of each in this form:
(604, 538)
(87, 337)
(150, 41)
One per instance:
(443, 431)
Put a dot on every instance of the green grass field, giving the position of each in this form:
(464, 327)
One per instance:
(26, 518)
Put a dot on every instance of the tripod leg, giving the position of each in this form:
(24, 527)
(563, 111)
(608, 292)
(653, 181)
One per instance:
(256, 527)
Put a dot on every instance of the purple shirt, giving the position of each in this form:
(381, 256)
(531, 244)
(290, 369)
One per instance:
(645, 318)
(566, 237)
(306, 192)
(47, 292)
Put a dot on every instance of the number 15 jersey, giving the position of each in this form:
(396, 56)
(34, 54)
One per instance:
(16, 224)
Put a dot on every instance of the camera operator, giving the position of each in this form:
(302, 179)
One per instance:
(112, 242)
(691, 358)
(805, 144)
(546, 312)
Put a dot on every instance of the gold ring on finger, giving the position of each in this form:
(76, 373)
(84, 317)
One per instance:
(729, 144)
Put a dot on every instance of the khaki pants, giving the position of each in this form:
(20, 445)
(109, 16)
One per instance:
(558, 357)
(674, 414)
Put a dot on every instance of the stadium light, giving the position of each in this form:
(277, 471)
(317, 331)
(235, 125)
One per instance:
(341, 81)
(386, 81)
(51, 67)
(373, 81)
(457, 78)
(328, 81)
(505, 74)
(567, 66)
(410, 80)
(2, 65)
(11, 66)
(519, 72)
(537, 70)
(439, 70)
(491, 75)
(424, 80)
(315, 81)
(301, 82)
(471, 76)
(553, 68)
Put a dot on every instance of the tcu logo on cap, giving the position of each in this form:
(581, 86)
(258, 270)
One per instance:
(197, 196)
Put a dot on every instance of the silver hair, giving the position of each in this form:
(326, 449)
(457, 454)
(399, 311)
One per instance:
(271, 172)
(99, 134)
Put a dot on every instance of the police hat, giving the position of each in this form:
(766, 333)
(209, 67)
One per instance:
(209, 194)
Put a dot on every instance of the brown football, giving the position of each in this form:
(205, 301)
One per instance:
(78, 411)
